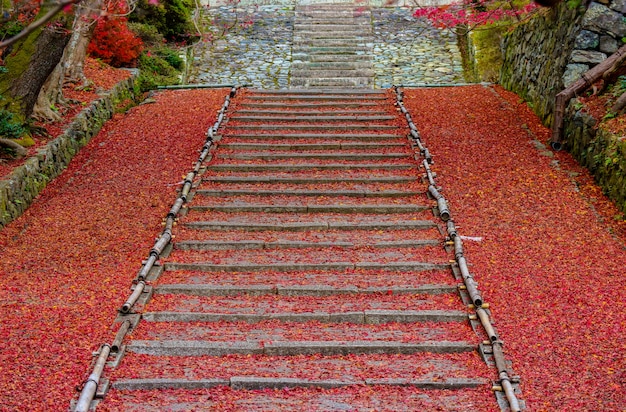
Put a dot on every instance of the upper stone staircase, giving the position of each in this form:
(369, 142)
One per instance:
(332, 46)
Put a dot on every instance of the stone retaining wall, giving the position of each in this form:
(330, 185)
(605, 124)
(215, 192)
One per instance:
(18, 189)
(599, 150)
(536, 55)
(553, 50)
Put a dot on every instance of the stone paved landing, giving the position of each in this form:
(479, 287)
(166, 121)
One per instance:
(268, 53)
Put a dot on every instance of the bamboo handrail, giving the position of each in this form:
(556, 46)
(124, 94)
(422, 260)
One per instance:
(563, 98)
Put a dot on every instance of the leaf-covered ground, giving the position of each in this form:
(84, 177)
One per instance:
(67, 263)
(553, 254)
(102, 77)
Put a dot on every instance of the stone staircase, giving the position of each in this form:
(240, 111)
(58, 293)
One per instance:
(309, 273)
(332, 46)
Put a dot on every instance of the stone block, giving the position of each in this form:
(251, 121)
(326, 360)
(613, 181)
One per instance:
(601, 19)
(608, 44)
(587, 57)
(573, 72)
(587, 40)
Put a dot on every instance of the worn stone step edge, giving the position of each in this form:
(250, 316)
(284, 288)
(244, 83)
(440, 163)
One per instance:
(306, 226)
(369, 317)
(354, 137)
(292, 348)
(296, 266)
(331, 73)
(354, 97)
(316, 193)
(260, 383)
(302, 118)
(311, 208)
(308, 180)
(303, 57)
(311, 166)
(341, 105)
(259, 244)
(294, 113)
(313, 146)
(332, 65)
(347, 81)
(322, 156)
(342, 126)
(363, 137)
(298, 290)
(280, 92)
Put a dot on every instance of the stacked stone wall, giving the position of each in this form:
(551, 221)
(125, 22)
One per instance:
(553, 50)
(536, 55)
(599, 150)
(19, 188)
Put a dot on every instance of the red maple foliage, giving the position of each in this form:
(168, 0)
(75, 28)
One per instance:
(550, 259)
(113, 42)
(68, 261)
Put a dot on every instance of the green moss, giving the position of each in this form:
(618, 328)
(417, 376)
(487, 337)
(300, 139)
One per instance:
(487, 42)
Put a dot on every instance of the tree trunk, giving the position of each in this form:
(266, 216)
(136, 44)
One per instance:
(48, 49)
(71, 64)
(16, 147)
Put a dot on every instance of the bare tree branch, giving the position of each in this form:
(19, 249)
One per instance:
(38, 23)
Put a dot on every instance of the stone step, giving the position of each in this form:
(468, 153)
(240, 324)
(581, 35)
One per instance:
(298, 267)
(299, 290)
(317, 137)
(313, 126)
(310, 105)
(239, 207)
(310, 180)
(291, 114)
(329, 73)
(310, 226)
(339, 82)
(271, 156)
(332, 65)
(303, 118)
(365, 37)
(312, 146)
(371, 317)
(322, 96)
(307, 167)
(331, 7)
(307, 57)
(309, 41)
(259, 244)
(341, 28)
(254, 383)
(312, 282)
(307, 193)
(292, 348)
(331, 50)
(362, 93)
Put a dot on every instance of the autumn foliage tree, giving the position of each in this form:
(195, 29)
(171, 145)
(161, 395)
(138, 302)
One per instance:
(470, 14)
(113, 42)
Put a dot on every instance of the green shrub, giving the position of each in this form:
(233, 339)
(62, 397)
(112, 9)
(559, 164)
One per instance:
(10, 28)
(155, 71)
(148, 34)
(9, 129)
(172, 18)
(171, 57)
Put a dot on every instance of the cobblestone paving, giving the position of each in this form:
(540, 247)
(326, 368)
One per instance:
(405, 50)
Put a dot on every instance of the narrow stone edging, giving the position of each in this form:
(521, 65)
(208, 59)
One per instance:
(370, 317)
(25, 182)
(297, 290)
(259, 383)
(292, 348)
